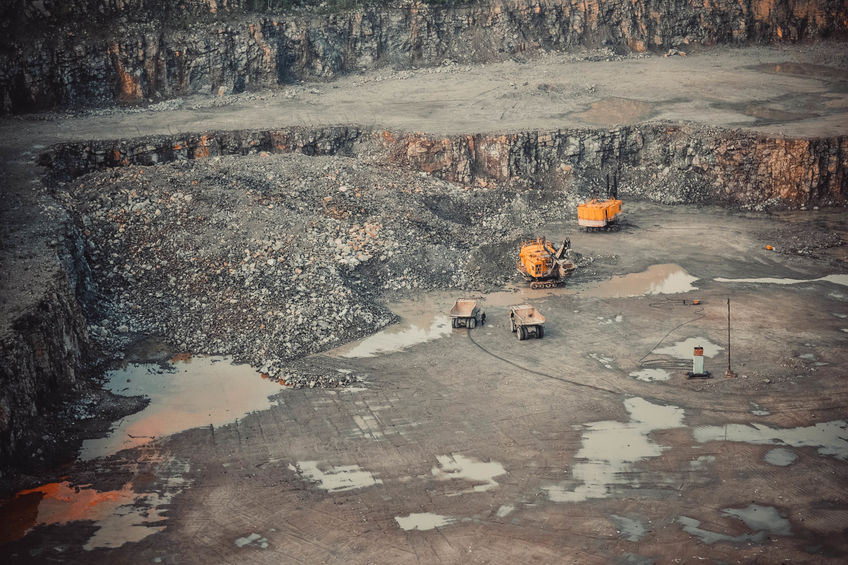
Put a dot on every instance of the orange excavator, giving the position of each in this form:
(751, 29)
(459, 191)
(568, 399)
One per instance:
(596, 215)
(543, 265)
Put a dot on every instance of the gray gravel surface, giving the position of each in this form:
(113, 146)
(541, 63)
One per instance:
(273, 257)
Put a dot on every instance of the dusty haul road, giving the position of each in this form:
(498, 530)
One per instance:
(456, 446)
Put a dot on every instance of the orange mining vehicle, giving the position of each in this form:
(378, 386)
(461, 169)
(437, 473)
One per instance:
(596, 215)
(544, 265)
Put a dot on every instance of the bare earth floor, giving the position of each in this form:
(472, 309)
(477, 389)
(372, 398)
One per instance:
(588, 446)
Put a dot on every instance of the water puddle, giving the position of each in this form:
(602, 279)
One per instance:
(192, 392)
(835, 279)
(763, 520)
(758, 410)
(831, 438)
(420, 321)
(629, 528)
(656, 279)
(615, 111)
(611, 448)
(253, 540)
(423, 521)
(684, 349)
(120, 516)
(336, 479)
(458, 466)
(651, 375)
(607, 362)
(701, 463)
(780, 457)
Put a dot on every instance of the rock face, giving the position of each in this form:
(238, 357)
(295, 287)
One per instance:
(90, 52)
(659, 162)
(46, 351)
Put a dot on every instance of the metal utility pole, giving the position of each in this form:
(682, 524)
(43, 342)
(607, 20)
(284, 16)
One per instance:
(729, 373)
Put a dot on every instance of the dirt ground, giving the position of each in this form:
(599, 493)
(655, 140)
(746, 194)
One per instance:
(794, 91)
(587, 446)
(475, 447)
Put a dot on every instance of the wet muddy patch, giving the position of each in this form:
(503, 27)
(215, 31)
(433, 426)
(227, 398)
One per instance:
(829, 438)
(835, 279)
(651, 375)
(253, 540)
(780, 457)
(630, 529)
(684, 349)
(125, 515)
(420, 321)
(187, 393)
(610, 449)
(656, 279)
(335, 479)
(461, 468)
(423, 521)
(764, 521)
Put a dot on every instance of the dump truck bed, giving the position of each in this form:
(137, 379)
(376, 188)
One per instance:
(598, 213)
(463, 308)
(526, 315)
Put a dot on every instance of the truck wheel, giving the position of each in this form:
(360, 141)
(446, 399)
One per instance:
(471, 323)
(540, 331)
(521, 333)
(453, 322)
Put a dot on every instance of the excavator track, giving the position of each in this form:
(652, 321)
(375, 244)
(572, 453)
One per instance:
(546, 284)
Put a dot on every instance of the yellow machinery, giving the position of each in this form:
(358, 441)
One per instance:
(596, 215)
(544, 265)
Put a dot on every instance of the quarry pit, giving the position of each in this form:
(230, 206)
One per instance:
(225, 315)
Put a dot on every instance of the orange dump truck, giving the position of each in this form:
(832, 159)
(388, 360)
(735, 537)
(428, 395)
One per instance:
(525, 321)
(544, 265)
(466, 313)
(596, 215)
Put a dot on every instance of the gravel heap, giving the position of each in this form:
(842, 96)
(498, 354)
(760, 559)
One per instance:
(272, 257)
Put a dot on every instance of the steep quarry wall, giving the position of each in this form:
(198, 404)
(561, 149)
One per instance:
(46, 350)
(658, 162)
(91, 52)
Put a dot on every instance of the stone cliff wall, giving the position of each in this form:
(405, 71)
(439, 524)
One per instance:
(45, 352)
(91, 52)
(657, 162)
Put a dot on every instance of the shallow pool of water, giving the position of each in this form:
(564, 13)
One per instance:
(406, 333)
(656, 279)
(651, 375)
(835, 279)
(120, 516)
(830, 438)
(763, 520)
(684, 349)
(610, 449)
(780, 457)
(191, 392)
(335, 479)
(630, 529)
(423, 521)
(459, 467)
